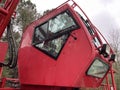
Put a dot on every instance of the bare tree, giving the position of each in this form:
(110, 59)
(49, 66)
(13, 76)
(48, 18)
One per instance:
(114, 39)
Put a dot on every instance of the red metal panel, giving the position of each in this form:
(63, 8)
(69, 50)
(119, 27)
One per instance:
(3, 50)
(6, 13)
(9, 89)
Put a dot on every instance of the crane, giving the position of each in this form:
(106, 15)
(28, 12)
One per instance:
(62, 50)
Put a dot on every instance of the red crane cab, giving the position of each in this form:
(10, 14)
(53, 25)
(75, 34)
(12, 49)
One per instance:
(63, 48)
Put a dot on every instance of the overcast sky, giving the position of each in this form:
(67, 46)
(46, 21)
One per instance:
(105, 14)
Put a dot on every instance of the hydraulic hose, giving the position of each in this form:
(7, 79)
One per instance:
(12, 49)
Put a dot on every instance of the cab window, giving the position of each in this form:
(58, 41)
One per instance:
(50, 37)
(98, 69)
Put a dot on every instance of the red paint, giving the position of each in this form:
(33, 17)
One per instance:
(6, 13)
(39, 71)
(69, 70)
(3, 50)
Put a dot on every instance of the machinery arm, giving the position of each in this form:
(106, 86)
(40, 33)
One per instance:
(5, 14)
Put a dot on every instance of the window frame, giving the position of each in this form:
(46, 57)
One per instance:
(61, 33)
(93, 63)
